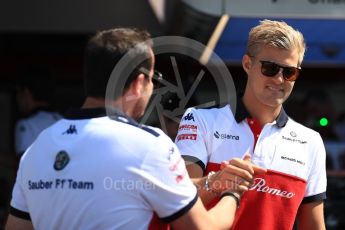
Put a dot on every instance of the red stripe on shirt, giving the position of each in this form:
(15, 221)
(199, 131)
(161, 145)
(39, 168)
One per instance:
(271, 203)
(255, 127)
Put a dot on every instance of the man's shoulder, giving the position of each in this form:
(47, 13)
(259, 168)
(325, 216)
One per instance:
(207, 113)
(149, 130)
(304, 130)
(142, 139)
(127, 130)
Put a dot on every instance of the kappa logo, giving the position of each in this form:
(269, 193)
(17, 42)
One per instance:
(188, 117)
(71, 130)
(225, 136)
(61, 160)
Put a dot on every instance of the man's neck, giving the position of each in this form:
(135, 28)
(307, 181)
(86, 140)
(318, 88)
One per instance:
(92, 102)
(262, 113)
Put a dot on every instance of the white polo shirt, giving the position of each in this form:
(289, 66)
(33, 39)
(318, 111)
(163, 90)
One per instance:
(293, 154)
(28, 129)
(92, 172)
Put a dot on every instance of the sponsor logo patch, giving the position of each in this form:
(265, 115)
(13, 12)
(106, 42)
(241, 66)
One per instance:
(61, 160)
(226, 136)
(186, 137)
(192, 128)
(71, 130)
(293, 160)
(294, 139)
(188, 117)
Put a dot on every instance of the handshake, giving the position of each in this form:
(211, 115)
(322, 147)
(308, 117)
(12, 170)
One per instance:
(234, 177)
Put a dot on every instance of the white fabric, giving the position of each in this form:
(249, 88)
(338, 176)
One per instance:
(293, 149)
(28, 129)
(123, 174)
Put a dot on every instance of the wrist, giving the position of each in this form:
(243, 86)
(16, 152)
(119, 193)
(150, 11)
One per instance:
(208, 182)
(234, 195)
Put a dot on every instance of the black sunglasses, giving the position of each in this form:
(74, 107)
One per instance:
(271, 69)
(156, 78)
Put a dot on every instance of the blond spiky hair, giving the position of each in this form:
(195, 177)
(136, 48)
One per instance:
(275, 34)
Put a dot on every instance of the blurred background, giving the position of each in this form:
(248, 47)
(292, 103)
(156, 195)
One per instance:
(45, 38)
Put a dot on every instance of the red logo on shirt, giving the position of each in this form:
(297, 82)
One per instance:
(174, 166)
(192, 128)
(179, 178)
(186, 137)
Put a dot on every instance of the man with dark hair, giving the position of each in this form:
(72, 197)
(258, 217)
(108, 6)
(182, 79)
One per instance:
(34, 96)
(93, 171)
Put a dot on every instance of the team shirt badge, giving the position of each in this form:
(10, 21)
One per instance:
(61, 160)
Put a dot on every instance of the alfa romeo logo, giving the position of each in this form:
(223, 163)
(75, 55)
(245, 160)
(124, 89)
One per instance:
(61, 160)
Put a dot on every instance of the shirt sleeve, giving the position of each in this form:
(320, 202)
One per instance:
(317, 180)
(191, 138)
(168, 188)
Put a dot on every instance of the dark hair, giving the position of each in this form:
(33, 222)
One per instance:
(104, 51)
(38, 79)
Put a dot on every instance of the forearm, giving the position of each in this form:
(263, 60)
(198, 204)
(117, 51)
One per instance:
(311, 216)
(196, 174)
(221, 214)
(205, 196)
(15, 223)
(219, 217)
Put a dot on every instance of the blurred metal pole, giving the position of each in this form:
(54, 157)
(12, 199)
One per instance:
(211, 44)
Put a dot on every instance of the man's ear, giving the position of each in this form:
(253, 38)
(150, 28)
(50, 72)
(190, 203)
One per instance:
(136, 87)
(246, 62)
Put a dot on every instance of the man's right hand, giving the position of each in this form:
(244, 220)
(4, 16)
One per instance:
(235, 175)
